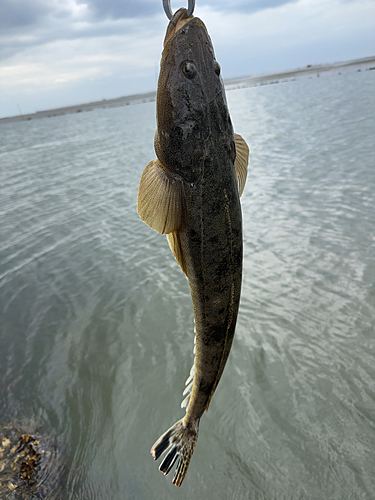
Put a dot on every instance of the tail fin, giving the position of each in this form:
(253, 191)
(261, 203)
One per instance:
(180, 441)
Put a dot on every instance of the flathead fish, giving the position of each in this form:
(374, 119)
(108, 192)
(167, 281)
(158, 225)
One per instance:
(191, 193)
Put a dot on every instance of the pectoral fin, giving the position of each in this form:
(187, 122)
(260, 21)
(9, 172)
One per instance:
(241, 162)
(160, 201)
(175, 245)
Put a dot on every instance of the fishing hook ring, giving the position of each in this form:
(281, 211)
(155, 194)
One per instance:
(168, 10)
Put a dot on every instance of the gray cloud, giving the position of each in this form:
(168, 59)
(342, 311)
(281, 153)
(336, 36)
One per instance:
(115, 9)
(24, 23)
(248, 6)
(21, 13)
(26, 13)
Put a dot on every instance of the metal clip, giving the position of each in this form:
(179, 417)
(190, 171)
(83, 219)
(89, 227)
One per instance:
(168, 10)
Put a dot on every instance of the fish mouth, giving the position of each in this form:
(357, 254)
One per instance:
(177, 22)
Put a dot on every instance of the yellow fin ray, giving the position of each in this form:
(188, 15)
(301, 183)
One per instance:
(160, 202)
(175, 245)
(241, 162)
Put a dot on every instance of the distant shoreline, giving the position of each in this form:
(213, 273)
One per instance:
(230, 84)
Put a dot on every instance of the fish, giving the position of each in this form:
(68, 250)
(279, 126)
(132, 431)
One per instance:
(191, 192)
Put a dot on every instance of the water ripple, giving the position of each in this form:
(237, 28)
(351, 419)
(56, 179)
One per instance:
(96, 317)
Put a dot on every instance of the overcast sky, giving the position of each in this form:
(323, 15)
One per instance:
(60, 52)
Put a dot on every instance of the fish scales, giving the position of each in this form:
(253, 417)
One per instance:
(191, 193)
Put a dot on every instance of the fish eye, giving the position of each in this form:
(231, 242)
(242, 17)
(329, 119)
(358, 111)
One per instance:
(188, 69)
(217, 68)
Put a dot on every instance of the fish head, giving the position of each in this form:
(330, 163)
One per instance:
(191, 103)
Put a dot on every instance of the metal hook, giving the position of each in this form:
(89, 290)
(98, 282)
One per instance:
(168, 10)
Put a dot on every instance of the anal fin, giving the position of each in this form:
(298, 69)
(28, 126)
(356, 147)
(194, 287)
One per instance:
(190, 380)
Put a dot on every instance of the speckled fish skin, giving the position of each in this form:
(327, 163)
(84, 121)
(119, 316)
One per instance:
(195, 147)
(195, 141)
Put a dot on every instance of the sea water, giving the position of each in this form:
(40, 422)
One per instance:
(96, 331)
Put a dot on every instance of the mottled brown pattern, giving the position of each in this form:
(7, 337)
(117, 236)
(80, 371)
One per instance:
(195, 144)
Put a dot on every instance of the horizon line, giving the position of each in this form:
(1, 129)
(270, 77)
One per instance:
(230, 84)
